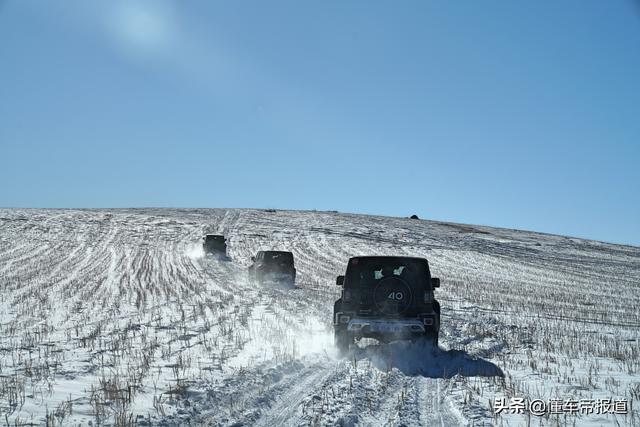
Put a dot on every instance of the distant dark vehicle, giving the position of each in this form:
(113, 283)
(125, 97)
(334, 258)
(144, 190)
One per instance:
(272, 266)
(214, 244)
(387, 298)
(414, 217)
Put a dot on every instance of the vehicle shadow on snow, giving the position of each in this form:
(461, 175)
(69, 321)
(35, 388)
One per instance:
(423, 359)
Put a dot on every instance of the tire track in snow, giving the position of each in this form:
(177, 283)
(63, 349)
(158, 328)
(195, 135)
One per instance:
(287, 411)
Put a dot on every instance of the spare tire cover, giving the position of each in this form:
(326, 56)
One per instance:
(392, 295)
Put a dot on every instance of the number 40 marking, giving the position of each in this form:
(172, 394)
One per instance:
(395, 296)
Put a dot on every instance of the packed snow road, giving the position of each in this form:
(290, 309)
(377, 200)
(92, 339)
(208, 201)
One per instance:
(117, 317)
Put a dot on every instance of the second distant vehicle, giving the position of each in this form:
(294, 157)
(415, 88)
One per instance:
(215, 244)
(272, 266)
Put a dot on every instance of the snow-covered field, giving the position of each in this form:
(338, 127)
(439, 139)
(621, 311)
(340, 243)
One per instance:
(115, 317)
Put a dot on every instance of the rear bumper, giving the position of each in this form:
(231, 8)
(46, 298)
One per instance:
(376, 326)
(384, 327)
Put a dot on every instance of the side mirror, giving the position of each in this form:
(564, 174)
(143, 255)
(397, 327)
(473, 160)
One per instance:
(253, 259)
(435, 282)
(340, 281)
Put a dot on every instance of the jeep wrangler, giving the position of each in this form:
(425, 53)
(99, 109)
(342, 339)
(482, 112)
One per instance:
(272, 266)
(214, 244)
(387, 298)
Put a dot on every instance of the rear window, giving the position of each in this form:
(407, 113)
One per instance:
(279, 256)
(368, 272)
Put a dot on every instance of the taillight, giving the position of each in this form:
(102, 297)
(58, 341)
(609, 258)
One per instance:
(428, 296)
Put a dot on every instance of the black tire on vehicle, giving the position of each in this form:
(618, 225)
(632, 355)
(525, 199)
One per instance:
(343, 339)
(392, 295)
(432, 337)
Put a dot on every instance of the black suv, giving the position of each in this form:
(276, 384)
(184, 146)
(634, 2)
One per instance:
(214, 244)
(272, 266)
(387, 298)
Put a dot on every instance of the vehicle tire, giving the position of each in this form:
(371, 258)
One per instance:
(343, 339)
(432, 337)
(392, 295)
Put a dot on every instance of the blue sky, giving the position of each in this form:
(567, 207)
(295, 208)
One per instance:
(513, 114)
